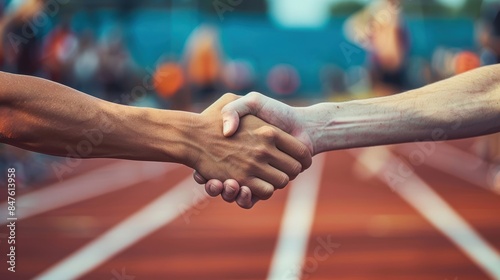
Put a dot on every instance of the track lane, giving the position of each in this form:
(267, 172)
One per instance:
(214, 240)
(44, 239)
(380, 235)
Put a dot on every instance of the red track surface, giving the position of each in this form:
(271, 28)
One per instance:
(379, 235)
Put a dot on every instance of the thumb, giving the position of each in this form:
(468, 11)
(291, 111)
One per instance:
(231, 114)
(233, 111)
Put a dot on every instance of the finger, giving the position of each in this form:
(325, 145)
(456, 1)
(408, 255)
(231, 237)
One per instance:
(261, 189)
(286, 164)
(244, 198)
(253, 200)
(230, 121)
(232, 112)
(293, 147)
(214, 187)
(271, 175)
(231, 190)
(198, 178)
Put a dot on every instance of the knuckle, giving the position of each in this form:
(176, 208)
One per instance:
(253, 100)
(229, 95)
(254, 95)
(246, 169)
(261, 152)
(268, 133)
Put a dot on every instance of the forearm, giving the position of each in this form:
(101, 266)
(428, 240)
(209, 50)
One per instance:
(459, 107)
(50, 118)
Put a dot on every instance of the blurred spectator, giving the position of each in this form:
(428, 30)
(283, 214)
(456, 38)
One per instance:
(59, 51)
(488, 29)
(443, 63)
(22, 45)
(203, 60)
(87, 64)
(30, 167)
(169, 79)
(419, 72)
(357, 80)
(238, 76)
(116, 67)
(333, 80)
(380, 30)
(283, 79)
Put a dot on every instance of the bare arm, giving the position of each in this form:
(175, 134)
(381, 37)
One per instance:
(47, 117)
(50, 118)
(463, 106)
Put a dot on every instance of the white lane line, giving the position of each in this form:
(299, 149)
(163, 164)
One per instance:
(441, 215)
(455, 162)
(296, 224)
(95, 183)
(150, 218)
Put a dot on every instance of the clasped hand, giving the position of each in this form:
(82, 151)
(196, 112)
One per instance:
(255, 154)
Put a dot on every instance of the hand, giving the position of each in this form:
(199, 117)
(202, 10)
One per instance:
(289, 119)
(258, 155)
(285, 117)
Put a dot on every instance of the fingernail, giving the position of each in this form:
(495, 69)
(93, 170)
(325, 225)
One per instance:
(212, 188)
(225, 127)
(229, 191)
(244, 194)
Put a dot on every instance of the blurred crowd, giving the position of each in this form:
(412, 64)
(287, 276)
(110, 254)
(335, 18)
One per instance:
(49, 48)
(36, 39)
(381, 29)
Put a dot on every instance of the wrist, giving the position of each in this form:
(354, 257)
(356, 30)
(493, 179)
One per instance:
(192, 147)
(359, 123)
(158, 135)
(316, 120)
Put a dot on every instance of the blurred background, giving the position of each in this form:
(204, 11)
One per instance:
(184, 54)
(180, 54)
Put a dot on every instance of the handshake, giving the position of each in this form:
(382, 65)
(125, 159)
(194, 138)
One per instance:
(257, 154)
(260, 153)
(264, 143)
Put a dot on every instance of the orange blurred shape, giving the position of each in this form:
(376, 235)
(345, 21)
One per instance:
(168, 79)
(204, 63)
(465, 61)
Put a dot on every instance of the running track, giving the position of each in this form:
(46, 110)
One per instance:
(358, 214)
